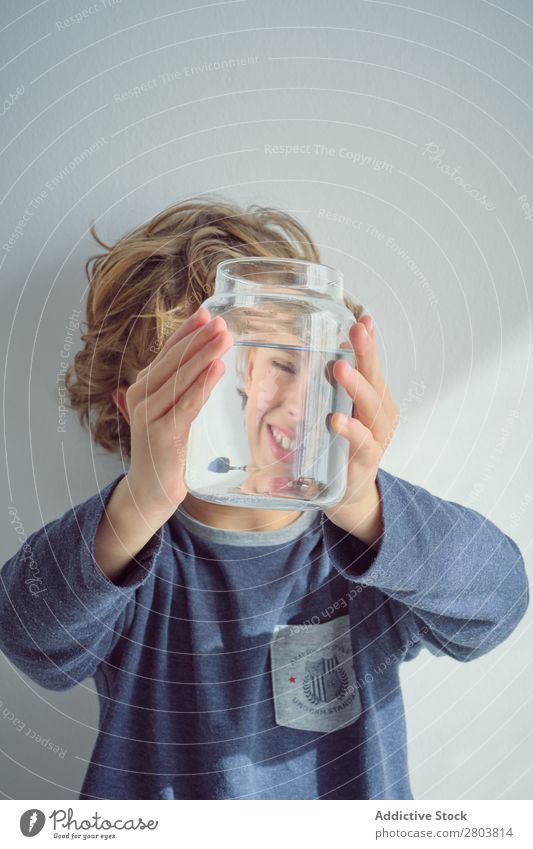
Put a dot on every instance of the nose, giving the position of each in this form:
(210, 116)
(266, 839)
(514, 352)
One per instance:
(294, 399)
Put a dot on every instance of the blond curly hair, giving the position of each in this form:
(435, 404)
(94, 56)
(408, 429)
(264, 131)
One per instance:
(150, 281)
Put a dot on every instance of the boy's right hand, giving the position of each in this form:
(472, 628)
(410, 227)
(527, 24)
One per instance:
(162, 404)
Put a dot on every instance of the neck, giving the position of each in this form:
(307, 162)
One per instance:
(238, 518)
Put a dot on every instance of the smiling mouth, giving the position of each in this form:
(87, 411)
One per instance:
(282, 438)
(283, 448)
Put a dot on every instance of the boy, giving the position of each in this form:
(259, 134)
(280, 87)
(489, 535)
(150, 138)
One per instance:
(240, 653)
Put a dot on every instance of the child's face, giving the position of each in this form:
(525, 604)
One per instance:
(275, 388)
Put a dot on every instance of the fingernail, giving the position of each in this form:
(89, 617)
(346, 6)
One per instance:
(340, 420)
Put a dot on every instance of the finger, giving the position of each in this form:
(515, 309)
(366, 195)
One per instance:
(371, 408)
(179, 381)
(179, 354)
(360, 438)
(194, 322)
(369, 323)
(362, 338)
(195, 396)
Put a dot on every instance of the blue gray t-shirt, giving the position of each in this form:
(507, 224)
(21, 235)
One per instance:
(261, 665)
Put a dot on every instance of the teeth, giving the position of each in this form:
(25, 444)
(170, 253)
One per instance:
(283, 440)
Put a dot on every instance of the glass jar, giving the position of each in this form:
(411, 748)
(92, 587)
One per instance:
(264, 437)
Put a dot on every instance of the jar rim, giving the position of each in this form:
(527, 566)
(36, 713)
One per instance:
(324, 279)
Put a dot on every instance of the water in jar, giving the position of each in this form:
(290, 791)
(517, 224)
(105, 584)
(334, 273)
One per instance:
(265, 430)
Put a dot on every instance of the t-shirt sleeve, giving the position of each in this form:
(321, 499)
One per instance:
(60, 616)
(454, 582)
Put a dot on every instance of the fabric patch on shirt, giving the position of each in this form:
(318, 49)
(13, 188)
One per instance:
(313, 678)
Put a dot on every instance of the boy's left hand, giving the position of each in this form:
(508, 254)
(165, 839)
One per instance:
(368, 431)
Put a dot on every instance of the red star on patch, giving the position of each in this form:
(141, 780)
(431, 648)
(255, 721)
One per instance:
(292, 679)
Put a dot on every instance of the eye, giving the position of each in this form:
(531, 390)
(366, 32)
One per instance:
(284, 367)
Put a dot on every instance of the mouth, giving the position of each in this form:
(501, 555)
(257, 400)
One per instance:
(282, 444)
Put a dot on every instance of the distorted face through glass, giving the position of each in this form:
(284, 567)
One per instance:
(265, 428)
(275, 390)
(279, 382)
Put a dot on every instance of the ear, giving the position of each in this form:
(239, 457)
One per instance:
(119, 397)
